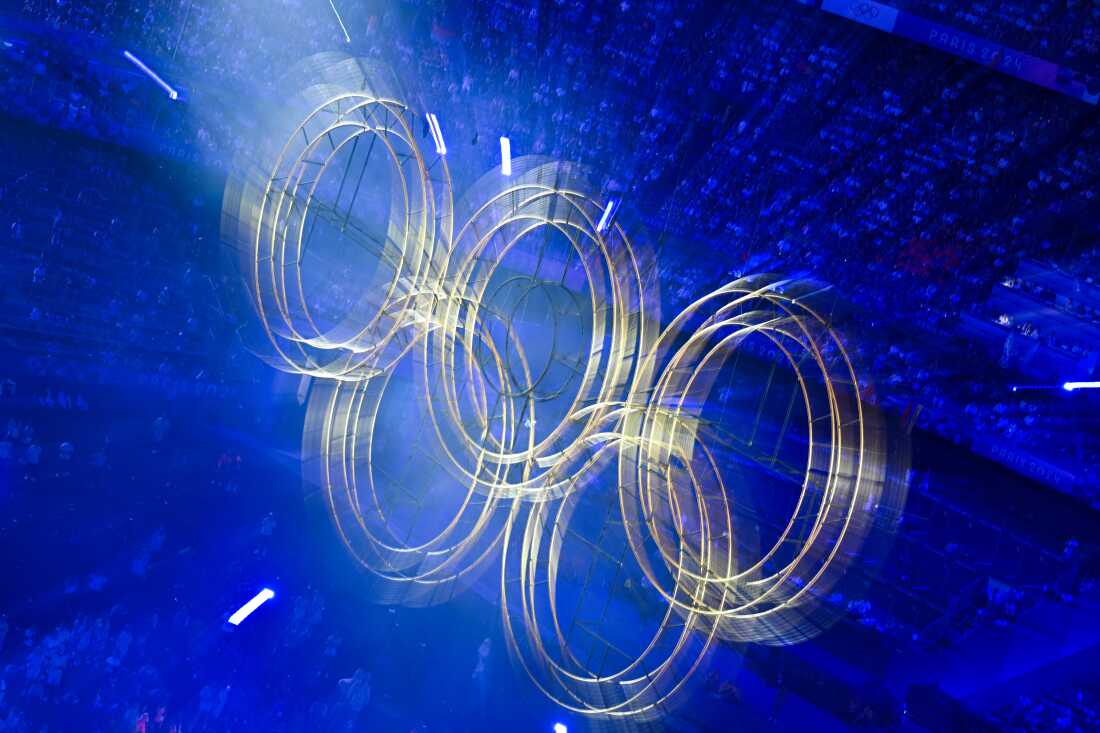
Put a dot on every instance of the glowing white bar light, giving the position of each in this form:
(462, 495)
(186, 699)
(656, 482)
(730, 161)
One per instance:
(437, 134)
(606, 218)
(172, 93)
(246, 610)
(340, 20)
(560, 728)
(506, 156)
(1070, 386)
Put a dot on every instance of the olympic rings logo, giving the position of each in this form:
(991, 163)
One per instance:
(449, 430)
(864, 11)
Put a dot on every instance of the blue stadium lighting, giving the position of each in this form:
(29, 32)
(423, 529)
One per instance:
(340, 20)
(560, 728)
(437, 134)
(172, 93)
(1071, 386)
(505, 156)
(246, 610)
(605, 220)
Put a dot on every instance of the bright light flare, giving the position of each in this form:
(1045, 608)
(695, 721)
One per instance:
(605, 220)
(560, 728)
(437, 134)
(1071, 386)
(505, 156)
(246, 610)
(172, 93)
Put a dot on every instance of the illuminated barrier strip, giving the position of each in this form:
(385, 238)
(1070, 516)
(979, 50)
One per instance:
(972, 48)
(246, 610)
(1023, 462)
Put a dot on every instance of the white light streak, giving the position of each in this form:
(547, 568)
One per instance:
(1071, 386)
(505, 156)
(340, 20)
(246, 610)
(605, 220)
(437, 134)
(172, 93)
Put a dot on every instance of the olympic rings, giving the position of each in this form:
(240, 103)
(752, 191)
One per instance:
(450, 427)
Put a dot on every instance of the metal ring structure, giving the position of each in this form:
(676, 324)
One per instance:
(454, 424)
(370, 499)
(676, 509)
(275, 204)
(614, 279)
(843, 495)
(479, 437)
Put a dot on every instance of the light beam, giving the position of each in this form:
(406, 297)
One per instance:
(172, 93)
(605, 220)
(1071, 386)
(505, 156)
(246, 610)
(340, 20)
(437, 134)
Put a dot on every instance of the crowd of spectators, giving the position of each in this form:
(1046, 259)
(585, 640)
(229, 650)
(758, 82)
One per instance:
(1071, 710)
(74, 224)
(127, 670)
(133, 432)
